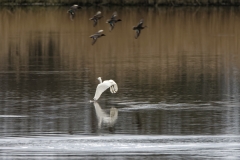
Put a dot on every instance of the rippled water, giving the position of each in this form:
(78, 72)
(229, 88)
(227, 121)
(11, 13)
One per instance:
(178, 84)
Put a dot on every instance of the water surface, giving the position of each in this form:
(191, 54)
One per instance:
(178, 83)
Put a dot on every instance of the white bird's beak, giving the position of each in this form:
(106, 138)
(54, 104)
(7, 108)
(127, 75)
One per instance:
(92, 101)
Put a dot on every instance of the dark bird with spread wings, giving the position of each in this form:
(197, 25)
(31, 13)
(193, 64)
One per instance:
(113, 20)
(95, 18)
(96, 36)
(73, 9)
(138, 28)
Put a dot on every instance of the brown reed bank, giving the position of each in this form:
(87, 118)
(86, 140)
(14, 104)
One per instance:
(124, 2)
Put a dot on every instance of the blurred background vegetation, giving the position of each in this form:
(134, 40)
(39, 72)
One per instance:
(123, 2)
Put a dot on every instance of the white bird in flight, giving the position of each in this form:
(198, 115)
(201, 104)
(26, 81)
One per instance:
(102, 86)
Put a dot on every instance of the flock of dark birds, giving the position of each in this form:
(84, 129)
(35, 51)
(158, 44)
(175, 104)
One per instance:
(112, 21)
(104, 85)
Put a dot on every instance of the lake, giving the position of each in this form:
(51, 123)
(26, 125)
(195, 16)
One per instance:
(178, 83)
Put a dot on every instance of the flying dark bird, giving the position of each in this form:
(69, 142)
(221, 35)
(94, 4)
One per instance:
(96, 36)
(73, 9)
(138, 28)
(113, 20)
(96, 17)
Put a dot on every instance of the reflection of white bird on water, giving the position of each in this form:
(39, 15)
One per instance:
(109, 120)
(102, 86)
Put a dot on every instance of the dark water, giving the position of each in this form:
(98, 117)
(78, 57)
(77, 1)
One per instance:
(178, 84)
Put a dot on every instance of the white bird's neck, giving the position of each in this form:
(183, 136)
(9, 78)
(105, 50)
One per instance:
(100, 79)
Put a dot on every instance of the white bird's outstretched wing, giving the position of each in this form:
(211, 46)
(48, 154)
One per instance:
(114, 87)
(101, 88)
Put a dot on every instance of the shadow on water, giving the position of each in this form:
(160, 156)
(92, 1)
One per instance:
(179, 78)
